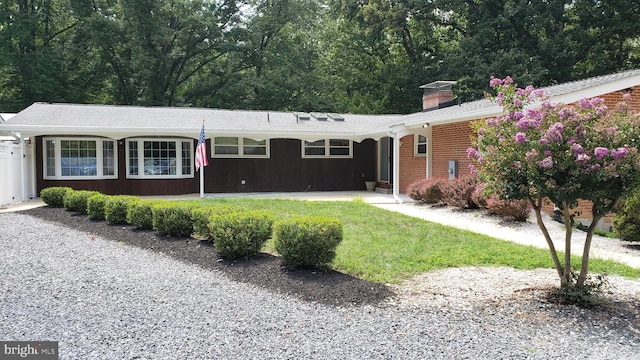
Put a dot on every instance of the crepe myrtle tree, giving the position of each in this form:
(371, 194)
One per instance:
(538, 150)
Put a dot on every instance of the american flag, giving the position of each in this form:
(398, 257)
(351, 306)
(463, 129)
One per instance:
(201, 151)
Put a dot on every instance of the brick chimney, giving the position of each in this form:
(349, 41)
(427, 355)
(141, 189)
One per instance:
(437, 94)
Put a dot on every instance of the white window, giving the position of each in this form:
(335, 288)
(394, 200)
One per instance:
(232, 147)
(420, 148)
(327, 148)
(79, 158)
(159, 158)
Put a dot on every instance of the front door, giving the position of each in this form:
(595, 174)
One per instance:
(385, 159)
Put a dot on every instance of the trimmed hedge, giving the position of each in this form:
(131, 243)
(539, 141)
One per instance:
(516, 209)
(76, 200)
(307, 241)
(172, 219)
(240, 234)
(139, 213)
(200, 218)
(116, 208)
(54, 196)
(95, 206)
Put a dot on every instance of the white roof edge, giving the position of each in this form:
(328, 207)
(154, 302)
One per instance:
(597, 90)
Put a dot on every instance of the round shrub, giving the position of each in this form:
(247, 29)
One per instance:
(95, 206)
(626, 222)
(139, 213)
(240, 234)
(426, 191)
(54, 196)
(307, 241)
(200, 218)
(516, 209)
(76, 200)
(458, 192)
(116, 208)
(171, 218)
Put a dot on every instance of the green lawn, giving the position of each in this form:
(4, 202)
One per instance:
(387, 247)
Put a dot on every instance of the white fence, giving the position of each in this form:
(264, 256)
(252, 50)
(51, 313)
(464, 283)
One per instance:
(13, 181)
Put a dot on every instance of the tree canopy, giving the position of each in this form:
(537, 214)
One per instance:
(301, 55)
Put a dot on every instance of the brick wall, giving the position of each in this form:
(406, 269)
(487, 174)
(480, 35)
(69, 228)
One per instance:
(412, 167)
(450, 142)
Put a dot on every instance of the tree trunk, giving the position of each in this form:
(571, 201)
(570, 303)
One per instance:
(584, 269)
(537, 205)
(568, 224)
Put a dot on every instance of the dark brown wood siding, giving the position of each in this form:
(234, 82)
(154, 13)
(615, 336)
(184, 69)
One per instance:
(284, 171)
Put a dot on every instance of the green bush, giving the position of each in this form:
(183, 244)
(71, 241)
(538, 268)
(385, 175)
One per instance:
(95, 206)
(240, 234)
(626, 222)
(200, 218)
(76, 200)
(171, 218)
(458, 192)
(116, 208)
(139, 213)
(54, 196)
(307, 241)
(428, 191)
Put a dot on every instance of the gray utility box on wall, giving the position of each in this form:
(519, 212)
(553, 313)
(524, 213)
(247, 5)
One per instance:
(453, 169)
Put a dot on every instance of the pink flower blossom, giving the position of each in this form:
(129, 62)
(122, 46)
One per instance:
(494, 81)
(508, 80)
(626, 97)
(585, 104)
(547, 152)
(472, 153)
(583, 159)
(521, 138)
(600, 152)
(576, 149)
(546, 163)
(531, 154)
(517, 165)
(619, 153)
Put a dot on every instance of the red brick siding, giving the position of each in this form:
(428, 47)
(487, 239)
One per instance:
(412, 168)
(450, 142)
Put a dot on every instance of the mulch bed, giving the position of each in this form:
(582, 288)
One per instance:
(324, 286)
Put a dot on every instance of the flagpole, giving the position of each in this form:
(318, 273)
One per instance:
(202, 182)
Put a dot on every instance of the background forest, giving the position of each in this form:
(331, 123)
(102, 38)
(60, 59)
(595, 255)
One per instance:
(345, 56)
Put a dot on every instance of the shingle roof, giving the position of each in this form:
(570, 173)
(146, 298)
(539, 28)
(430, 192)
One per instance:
(125, 121)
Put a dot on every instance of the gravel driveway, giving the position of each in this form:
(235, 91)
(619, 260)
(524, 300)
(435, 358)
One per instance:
(104, 300)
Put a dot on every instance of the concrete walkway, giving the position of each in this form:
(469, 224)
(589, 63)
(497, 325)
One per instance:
(531, 237)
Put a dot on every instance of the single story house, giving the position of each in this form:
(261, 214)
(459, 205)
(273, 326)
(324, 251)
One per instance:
(150, 150)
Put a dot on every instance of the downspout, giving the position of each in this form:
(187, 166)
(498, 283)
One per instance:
(22, 169)
(428, 167)
(396, 168)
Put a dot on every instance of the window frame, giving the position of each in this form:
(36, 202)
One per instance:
(57, 158)
(140, 159)
(327, 149)
(241, 148)
(417, 144)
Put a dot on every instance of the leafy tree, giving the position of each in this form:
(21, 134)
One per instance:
(562, 153)
(34, 62)
(154, 47)
(499, 37)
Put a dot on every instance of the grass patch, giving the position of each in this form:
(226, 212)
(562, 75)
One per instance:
(387, 247)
